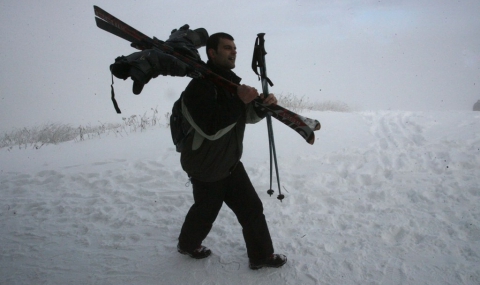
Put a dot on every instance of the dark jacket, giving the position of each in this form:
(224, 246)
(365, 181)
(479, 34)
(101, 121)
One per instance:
(218, 117)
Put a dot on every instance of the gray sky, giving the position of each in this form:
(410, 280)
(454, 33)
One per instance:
(373, 55)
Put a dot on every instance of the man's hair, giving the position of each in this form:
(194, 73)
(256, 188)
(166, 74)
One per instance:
(214, 40)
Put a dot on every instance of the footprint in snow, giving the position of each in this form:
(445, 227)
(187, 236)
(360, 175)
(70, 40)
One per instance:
(393, 274)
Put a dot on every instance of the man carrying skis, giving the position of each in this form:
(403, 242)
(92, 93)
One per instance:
(211, 157)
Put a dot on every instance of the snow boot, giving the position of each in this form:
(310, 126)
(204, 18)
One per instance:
(198, 253)
(274, 260)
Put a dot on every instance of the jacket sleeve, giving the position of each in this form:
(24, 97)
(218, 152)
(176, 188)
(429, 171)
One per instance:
(254, 114)
(209, 109)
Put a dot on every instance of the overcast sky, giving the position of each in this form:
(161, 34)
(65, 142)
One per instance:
(372, 55)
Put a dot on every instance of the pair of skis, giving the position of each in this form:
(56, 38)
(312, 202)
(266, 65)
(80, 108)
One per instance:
(105, 21)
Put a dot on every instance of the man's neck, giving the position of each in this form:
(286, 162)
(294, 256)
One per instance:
(219, 68)
(226, 73)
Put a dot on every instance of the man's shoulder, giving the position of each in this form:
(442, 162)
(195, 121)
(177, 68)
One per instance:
(200, 82)
(196, 83)
(198, 88)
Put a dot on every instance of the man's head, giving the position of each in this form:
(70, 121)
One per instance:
(221, 50)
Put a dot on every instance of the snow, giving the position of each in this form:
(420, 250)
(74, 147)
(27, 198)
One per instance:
(382, 197)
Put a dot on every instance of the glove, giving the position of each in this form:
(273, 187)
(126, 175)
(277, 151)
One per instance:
(186, 41)
(145, 65)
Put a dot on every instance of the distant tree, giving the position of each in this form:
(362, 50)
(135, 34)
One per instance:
(476, 106)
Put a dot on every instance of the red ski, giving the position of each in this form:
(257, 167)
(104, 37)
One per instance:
(105, 21)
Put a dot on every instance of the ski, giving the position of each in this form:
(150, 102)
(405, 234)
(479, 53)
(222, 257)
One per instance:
(107, 22)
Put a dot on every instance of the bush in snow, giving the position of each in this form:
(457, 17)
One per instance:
(38, 136)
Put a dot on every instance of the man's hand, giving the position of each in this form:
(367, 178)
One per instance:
(270, 100)
(246, 93)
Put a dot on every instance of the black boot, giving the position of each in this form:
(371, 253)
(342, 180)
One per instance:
(274, 260)
(198, 253)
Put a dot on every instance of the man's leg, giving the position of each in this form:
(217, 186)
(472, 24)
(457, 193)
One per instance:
(242, 198)
(208, 199)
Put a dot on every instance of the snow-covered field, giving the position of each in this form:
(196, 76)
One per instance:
(384, 197)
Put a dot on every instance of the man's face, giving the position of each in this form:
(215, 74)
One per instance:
(225, 55)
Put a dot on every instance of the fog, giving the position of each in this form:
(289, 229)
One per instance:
(372, 55)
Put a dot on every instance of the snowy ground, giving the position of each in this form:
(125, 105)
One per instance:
(380, 198)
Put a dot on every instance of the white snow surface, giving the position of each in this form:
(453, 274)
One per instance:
(382, 197)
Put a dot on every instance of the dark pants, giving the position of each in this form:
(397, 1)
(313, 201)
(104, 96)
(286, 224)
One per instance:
(238, 193)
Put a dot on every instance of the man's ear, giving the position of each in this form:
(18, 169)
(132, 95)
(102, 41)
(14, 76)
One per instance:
(211, 53)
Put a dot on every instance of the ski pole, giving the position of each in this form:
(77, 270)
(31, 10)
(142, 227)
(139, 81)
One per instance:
(259, 61)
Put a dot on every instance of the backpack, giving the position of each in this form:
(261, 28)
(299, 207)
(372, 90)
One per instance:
(179, 126)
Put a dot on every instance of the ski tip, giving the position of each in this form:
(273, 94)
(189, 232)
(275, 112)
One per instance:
(317, 126)
(311, 139)
(97, 10)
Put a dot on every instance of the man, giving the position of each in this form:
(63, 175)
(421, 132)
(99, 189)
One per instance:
(211, 157)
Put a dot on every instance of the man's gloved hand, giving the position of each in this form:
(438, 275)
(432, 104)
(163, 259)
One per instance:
(145, 65)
